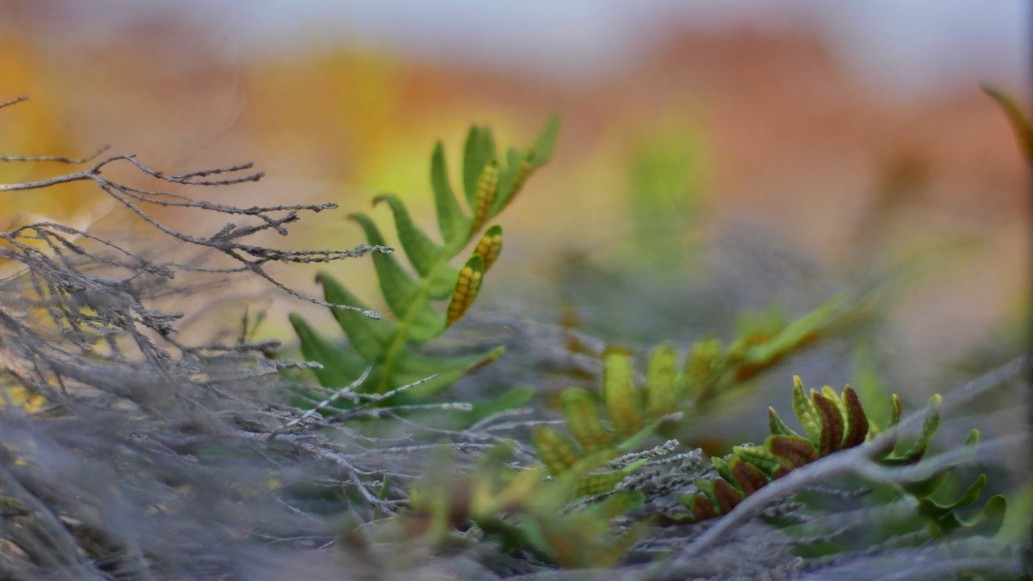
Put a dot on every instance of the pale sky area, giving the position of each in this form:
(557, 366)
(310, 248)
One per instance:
(916, 47)
(913, 47)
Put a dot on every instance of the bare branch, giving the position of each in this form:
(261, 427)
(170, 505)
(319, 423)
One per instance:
(13, 101)
(228, 240)
(54, 158)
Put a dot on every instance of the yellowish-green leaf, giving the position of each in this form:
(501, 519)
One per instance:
(759, 456)
(546, 142)
(662, 389)
(701, 366)
(601, 483)
(620, 397)
(484, 200)
(581, 410)
(929, 427)
(366, 336)
(555, 450)
(777, 426)
(805, 412)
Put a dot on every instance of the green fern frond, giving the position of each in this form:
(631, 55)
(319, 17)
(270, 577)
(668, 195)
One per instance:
(831, 421)
(410, 293)
(624, 414)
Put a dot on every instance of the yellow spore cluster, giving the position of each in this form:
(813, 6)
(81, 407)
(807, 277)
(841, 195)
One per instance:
(489, 247)
(466, 290)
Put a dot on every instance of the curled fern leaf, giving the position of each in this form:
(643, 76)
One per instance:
(835, 422)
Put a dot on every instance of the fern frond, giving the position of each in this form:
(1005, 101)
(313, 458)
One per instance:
(624, 414)
(388, 346)
(836, 422)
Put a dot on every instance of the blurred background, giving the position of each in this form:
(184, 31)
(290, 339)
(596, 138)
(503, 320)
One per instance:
(715, 156)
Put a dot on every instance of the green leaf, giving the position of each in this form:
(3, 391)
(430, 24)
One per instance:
(617, 504)
(990, 520)
(478, 151)
(555, 450)
(410, 294)
(971, 494)
(891, 442)
(546, 141)
(365, 335)
(926, 487)
(868, 384)
(622, 401)
(405, 296)
(701, 367)
(662, 393)
(722, 468)
(509, 400)
(792, 336)
(777, 426)
(805, 412)
(581, 410)
(339, 368)
(518, 168)
(599, 483)
(409, 367)
(422, 252)
(943, 513)
(929, 427)
(453, 224)
(759, 456)
(424, 255)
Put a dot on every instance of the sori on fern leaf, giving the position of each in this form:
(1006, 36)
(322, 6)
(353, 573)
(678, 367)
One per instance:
(831, 423)
(490, 181)
(624, 414)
